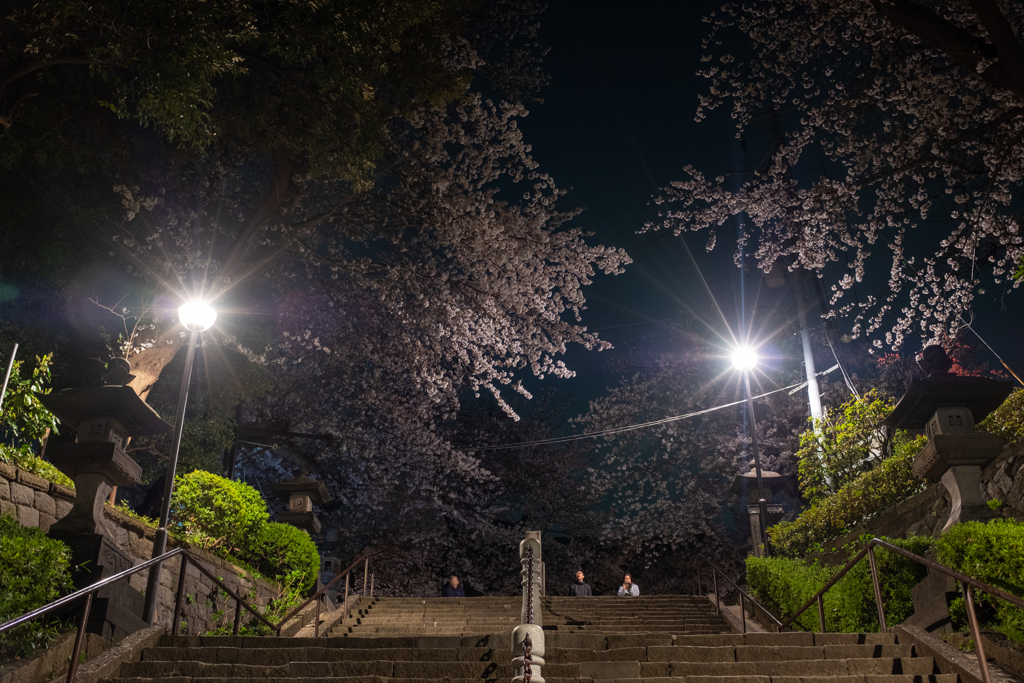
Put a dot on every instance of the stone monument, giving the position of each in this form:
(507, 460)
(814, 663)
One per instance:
(745, 486)
(947, 406)
(104, 418)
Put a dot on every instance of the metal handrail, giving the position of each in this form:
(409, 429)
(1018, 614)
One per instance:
(715, 571)
(365, 559)
(89, 592)
(966, 584)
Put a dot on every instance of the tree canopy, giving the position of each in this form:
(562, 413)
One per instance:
(912, 112)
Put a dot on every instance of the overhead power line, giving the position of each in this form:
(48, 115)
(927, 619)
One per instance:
(792, 388)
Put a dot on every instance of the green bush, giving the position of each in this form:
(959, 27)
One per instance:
(1007, 420)
(992, 553)
(783, 585)
(24, 458)
(215, 513)
(285, 554)
(33, 571)
(871, 493)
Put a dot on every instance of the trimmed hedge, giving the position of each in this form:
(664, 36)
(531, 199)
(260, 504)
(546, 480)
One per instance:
(215, 513)
(285, 552)
(993, 553)
(33, 571)
(871, 493)
(783, 585)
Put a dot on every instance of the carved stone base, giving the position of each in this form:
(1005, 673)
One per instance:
(967, 503)
(117, 609)
(96, 468)
(951, 450)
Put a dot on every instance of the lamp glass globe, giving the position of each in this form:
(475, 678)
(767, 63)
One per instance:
(744, 358)
(197, 315)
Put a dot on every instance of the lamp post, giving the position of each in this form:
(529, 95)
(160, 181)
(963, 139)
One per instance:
(195, 316)
(744, 359)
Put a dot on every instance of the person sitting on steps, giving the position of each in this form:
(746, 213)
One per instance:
(628, 587)
(453, 589)
(580, 588)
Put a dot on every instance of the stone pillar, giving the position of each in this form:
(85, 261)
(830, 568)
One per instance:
(947, 406)
(531, 616)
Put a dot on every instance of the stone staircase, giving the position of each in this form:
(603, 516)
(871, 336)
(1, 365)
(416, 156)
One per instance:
(659, 638)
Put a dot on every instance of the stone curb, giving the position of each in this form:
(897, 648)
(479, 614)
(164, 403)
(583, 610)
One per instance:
(948, 659)
(108, 664)
(54, 657)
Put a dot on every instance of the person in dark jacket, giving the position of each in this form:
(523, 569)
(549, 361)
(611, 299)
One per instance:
(453, 589)
(580, 588)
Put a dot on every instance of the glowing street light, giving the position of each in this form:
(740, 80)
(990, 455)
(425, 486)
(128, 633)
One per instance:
(196, 316)
(745, 359)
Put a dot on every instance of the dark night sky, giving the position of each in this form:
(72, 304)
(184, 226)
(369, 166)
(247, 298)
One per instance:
(618, 123)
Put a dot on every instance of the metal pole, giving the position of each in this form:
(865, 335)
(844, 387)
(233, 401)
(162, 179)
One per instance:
(160, 540)
(372, 575)
(698, 576)
(238, 617)
(7, 377)
(762, 504)
(821, 614)
(366, 573)
(878, 589)
(83, 623)
(979, 649)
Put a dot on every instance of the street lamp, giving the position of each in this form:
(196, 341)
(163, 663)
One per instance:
(744, 359)
(195, 316)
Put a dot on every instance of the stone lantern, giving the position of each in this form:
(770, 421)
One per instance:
(947, 407)
(104, 417)
(745, 486)
(300, 493)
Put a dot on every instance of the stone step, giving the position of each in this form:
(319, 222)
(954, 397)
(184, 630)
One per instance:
(881, 678)
(503, 668)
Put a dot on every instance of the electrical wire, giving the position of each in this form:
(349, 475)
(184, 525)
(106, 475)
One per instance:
(1005, 365)
(792, 388)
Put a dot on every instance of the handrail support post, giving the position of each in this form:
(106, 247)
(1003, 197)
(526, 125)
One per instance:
(979, 649)
(878, 589)
(718, 604)
(179, 595)
(83, 623)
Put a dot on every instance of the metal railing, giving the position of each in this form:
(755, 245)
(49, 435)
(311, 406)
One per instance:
(966, 583)
(89, 592)
(715, 572)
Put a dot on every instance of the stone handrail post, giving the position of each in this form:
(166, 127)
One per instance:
(528, 637)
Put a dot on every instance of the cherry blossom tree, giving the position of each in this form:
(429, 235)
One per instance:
(913, 109)
(669, 487)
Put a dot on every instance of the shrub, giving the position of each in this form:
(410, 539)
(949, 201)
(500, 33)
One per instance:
(871, 493)
(215, 513)
(24, 458)
(783, 585)
(285, 554)
(33, 571)
(1007, 420)
(992, 553)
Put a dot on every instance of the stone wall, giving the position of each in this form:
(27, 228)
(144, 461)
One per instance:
(36, 502)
